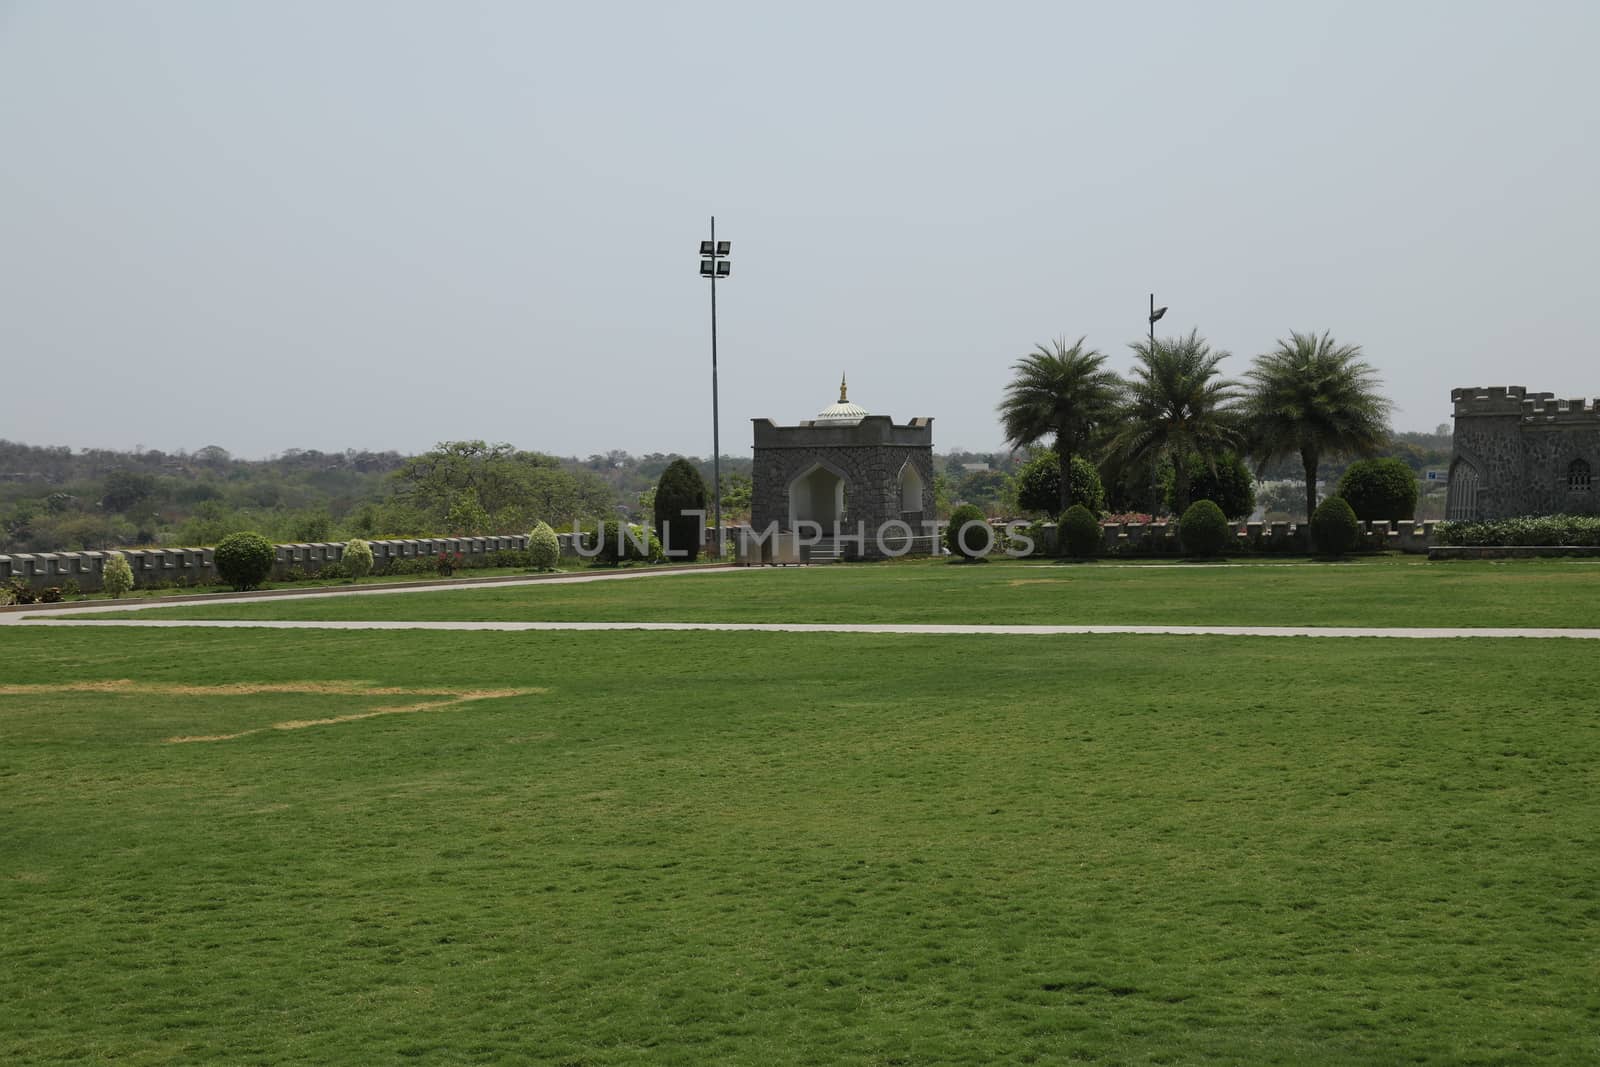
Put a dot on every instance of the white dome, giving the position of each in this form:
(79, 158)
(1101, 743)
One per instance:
(843, 411)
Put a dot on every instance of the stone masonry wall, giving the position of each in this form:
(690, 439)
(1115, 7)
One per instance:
(196, 566)
(1521, 445)
(872, 482)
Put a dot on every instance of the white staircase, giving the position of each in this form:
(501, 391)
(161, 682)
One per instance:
(826, 551)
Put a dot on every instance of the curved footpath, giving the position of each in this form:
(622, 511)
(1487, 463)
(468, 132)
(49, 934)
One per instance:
(13, 614)
(62, 615)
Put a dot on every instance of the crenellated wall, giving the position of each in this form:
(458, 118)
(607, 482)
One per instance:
(1161, 539)
(1412, 537)
(1513, 453)
(196, 566)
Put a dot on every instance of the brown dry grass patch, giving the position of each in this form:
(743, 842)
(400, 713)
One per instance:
(452, 698)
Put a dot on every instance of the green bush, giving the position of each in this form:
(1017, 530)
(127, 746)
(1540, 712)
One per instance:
(1039, 485)
(117, 579)
(1525, 530)
(1203, 529)
(544, 548)
(244, 560)
(410, 565)
(619, 543)
(1230, 485)
(970, 547)
(1380, 489)
(1334, 527)
(357, 559)
(680, 509)
(1079, 532)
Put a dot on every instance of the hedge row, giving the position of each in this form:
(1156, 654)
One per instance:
(1523, 531)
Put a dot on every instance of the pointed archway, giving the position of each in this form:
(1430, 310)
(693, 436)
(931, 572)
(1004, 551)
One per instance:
(1461, 499)
(818, 494)
(910, 489)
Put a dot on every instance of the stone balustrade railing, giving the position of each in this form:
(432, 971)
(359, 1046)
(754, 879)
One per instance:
(196, 566)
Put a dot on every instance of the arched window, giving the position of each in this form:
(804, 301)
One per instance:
(1578, 476)
(1461, 505)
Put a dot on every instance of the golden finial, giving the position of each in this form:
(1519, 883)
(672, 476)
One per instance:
(841, 389)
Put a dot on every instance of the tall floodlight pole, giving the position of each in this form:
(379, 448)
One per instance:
(714, 265)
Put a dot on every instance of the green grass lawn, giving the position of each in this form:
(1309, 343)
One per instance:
(1401, 591)
(693, 848)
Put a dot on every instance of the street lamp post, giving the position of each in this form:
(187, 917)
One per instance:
(713, 265)
(1155, 313)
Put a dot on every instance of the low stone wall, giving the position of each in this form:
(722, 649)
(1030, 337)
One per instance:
(1161, 538)
(1514, 552)
(1148, 539)
(196, 566)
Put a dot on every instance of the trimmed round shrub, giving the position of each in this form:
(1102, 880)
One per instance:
(680, 509)
(1334, 527)
(1381, 489)
(975, 543)
(1204, 529)
(1230, 485)
(1039, 485)
(544, 549)
(1079, 532)
(117, 579)
(357, 559)
(244, 560)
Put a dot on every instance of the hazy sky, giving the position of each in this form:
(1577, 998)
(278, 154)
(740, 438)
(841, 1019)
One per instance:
(381, 225)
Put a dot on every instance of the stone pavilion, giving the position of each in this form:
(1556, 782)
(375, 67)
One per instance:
(846, 470)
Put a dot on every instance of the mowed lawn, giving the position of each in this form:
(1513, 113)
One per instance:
(691, 848)
(1403, 591)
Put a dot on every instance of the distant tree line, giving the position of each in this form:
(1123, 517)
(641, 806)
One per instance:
(58, 499)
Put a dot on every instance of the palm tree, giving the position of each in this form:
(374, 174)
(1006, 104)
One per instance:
(1177, 404)
(1314, 397)
(1065, 391)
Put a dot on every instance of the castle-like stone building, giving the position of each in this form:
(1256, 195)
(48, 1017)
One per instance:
(1519, 453)
(845, 469)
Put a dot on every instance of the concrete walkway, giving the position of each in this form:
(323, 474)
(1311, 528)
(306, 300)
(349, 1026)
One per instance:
(1427, 633)
(63, 615)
